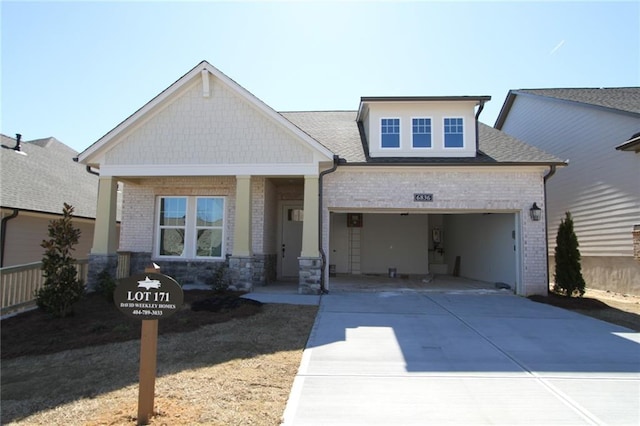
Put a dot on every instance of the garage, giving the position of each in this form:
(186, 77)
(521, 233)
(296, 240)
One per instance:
(477, 246)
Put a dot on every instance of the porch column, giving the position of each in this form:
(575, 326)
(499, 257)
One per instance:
(242, 229)
(103, 253)
(310, 237)
(241, 261)
(104, 233)
(310, 264)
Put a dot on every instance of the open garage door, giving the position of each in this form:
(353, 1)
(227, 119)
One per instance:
(478, 246)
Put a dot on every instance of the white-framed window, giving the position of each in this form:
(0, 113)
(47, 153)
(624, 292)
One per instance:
(190, 227)
(453, 132)
(390, 133)
(421, 132)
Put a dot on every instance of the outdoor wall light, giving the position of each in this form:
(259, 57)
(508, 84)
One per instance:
(535, 212)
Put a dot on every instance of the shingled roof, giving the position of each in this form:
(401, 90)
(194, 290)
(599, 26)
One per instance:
(339, 132)
(44, 176)
(621, 99)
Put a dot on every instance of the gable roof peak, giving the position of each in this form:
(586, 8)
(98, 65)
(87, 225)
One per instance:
(91, 155)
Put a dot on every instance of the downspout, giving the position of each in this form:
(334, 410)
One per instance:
(481, 107)
(323, 256)
(552, 171)
(3, 232)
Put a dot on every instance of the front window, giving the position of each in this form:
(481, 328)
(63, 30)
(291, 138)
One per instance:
(390, 132)
(453, 133)
(191, 227)
(209, 219)
(421, 130)
(173, 215)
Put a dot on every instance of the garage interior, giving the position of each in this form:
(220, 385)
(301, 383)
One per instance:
(435, 249)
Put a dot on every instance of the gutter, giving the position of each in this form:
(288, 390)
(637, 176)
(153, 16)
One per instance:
(3, 233)
(323, 256)
(552, 171)
(76, 159)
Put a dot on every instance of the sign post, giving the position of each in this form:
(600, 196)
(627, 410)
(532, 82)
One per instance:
(149, 297)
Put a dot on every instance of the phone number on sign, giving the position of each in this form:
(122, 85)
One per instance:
(146, 312)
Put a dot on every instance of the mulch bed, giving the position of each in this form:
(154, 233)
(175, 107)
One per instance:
(572, 303)
(97, 321)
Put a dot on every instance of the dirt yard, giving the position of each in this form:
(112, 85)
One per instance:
(236, 372)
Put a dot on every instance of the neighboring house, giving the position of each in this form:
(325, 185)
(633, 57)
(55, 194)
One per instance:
(37, 177)
(601, 187)
(414, 185)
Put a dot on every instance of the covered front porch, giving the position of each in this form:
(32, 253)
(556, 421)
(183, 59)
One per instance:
(262, 239)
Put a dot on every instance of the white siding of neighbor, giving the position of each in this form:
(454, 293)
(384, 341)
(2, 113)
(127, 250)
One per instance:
(601, 186)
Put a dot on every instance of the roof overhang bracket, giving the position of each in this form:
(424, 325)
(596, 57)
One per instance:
(205, 83)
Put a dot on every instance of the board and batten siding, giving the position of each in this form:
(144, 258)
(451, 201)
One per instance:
(601, 185)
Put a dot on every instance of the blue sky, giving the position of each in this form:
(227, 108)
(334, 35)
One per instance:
(74, 70)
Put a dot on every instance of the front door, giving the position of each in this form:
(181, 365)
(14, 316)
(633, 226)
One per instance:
(290, 239)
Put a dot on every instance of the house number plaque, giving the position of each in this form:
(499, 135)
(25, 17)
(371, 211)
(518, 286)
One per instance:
(422, 197)
(148, 296)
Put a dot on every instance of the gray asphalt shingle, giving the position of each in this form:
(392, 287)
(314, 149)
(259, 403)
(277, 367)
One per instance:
(338, 131)
(619, 98)
(45, 178)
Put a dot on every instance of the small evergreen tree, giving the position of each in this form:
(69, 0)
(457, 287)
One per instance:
(61, 287)
(568, 276)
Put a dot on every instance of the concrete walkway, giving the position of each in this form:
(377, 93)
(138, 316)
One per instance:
(431, 358)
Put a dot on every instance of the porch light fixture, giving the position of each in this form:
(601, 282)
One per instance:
(535, 212)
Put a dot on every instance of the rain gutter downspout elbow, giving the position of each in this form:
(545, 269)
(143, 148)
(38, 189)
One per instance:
(480, 108)
(323, 256)
(3, 233)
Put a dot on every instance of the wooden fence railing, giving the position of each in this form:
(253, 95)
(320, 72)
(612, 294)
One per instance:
(20, 283)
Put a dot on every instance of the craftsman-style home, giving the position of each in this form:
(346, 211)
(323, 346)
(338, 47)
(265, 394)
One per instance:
(415, 185)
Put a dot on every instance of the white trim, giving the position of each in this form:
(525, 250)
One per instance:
(190, 228)
(205, 83)
(444, 134)
(386, 148)
(286, 169)
(421, 148)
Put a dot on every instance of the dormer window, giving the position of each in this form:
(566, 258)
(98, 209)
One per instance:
(453, 133)
(390, 132)
(421, 132)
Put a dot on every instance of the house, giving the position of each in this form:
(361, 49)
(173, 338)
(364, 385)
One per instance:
(38, 177)
(596, 130)
(411, 185)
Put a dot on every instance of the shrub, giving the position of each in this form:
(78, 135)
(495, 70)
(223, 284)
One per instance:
(106, 285)
(568, 274)
(219, 280)
(61, 287)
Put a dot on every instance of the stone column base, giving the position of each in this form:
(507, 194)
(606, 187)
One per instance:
(241, 272)
(98, 263)
(310, 275)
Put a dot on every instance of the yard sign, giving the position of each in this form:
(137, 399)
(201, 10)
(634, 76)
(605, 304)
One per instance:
(148, 297)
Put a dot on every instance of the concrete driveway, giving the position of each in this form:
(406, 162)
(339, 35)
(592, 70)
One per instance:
(416, 358)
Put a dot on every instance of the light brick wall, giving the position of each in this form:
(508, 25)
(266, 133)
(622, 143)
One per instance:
(139, 205)
(220, 129)
(477, 189)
